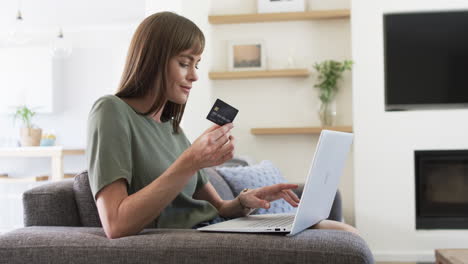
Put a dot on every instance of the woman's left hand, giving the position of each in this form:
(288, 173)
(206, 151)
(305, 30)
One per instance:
(261, 197)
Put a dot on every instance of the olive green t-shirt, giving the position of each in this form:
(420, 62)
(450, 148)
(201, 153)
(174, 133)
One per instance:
(124, 144)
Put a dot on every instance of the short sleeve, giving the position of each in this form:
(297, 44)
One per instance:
(108, 150)
(202, 179)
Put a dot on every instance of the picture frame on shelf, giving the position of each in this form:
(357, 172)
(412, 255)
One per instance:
(246, 55)
(280, 6)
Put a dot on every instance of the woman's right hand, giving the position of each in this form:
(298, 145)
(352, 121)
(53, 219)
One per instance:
(214, 147)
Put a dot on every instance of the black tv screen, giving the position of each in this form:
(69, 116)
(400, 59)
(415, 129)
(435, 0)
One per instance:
(426, 60)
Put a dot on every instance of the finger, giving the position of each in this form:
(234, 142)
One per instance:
(227, 150)
(275, 188)
(254, 202)
(212, 128)
(227, 147)
(288, 199)
(226, 157)
(221, 131)
(226, 131)
(227, 137)
(230, 141)
(293, 195)
(282, 186)
(222, 142)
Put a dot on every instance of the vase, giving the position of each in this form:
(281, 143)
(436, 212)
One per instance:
(327, 113)
(30, 136)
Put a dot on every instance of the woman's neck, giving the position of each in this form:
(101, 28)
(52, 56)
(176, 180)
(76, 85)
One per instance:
(141, 105)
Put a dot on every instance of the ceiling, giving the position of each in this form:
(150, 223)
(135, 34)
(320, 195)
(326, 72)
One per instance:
(71, 13)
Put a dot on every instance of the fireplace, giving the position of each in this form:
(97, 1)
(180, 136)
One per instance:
(441, 189)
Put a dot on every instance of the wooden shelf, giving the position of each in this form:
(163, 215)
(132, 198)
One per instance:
(39, 151)
(272, 17)
(73, 152)
(56, 153)
(33, 179)
(259, 74)
(297, 130)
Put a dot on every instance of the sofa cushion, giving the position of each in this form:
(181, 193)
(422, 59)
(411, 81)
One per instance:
(237, 161)
(255, 176)
(51, 204)
(219, 184)
(90, 245)
(84, 200)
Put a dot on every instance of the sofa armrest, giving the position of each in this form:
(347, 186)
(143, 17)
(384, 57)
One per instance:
(52, 204)
(90, 245)
(336, 212)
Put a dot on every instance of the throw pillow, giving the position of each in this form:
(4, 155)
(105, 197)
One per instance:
(84, 200)
(256, 176)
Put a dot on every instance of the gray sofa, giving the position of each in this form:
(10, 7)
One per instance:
(62, 226)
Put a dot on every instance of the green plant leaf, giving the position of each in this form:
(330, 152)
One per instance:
(329, 72)
(25, 114)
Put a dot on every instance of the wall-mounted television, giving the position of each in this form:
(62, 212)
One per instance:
(426, 60)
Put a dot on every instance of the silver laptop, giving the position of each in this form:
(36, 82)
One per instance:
(317, 197)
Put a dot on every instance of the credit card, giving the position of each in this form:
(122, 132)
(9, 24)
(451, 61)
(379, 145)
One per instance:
(221, 113)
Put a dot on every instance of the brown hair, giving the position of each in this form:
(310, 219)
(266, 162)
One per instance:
(157, 39)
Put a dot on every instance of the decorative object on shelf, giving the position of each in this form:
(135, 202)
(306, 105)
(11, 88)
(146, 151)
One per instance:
(327, 113)
(48, 139)
(61, 47)
(30, 135)
(280, 6)
(291, 63)
(245, 55)
(329, 72)
(18, 35)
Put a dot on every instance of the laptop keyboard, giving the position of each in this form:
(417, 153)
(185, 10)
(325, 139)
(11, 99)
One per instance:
(284, 220)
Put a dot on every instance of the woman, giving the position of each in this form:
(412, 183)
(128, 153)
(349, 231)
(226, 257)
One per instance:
(142, 168)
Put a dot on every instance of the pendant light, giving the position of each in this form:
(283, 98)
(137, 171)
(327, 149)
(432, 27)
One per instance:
(61, 46)
(18, 34)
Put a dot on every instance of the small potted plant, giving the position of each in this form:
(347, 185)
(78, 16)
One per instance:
(30, 135)
(329, 72)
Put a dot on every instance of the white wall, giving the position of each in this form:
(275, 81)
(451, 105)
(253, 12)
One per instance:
(288, 102)
(35, 91)
(93, 69)
(385, 143)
